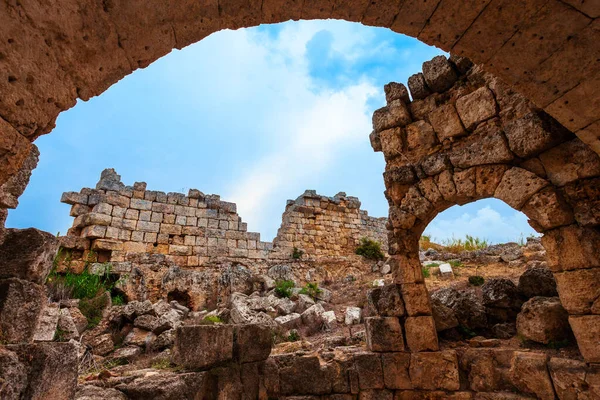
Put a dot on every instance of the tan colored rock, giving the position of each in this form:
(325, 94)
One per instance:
(394, 115)
(434, 371)
(579, 290)
(530, 375)
(27, 254)
(476, 107)
(587, 331)
(420, 140)
(486, 145)
(202, 346)
(487, 178)
(572, 247)
(252, 343)
(416, 299)
(396, 370)
(384, 334)
(391, 142)
(418, 87)
(439, 74)
(568, 378)
(395, 91)
(534, 133)
(517, 186)
(21, 304)
(421, 334)
(369, 370)
(446, 122)
(570, 161)
(543, 320)
(548, 209)
(304, 375)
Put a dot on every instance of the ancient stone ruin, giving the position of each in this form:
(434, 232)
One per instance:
(529, 136)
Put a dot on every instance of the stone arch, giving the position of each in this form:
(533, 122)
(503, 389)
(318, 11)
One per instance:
(474, 140)
(51, 56)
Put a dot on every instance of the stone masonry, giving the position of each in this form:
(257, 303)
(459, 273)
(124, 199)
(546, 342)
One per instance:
(116, 221)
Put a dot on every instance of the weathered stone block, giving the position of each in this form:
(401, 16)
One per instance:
(203, 346)
(579, 290)
(375, 141)
(587, 331)
(73, 198)
(530, 375)
(570, 161)
(395, 91)
(394, 115)
(396, 370)
(420, 140)
(533, 134)
(13, 373)
(439, 74)
(517, 186)
(487, 179)
(46, 327)
(476, 107)
(21, 304)
(92, 218)
(421, 334)
(93, 232)
(27, 254)
(391, 142)
(572, 247)
(304, 375)
(387, 300)
(434, 371)
(484, 146)
(548, 209)
(171, 385)
(543, 320)
(416, 299)
(140, 204)
(369, 370)
(418, 87)
(252, 343)
(446, 123)
(384, 334)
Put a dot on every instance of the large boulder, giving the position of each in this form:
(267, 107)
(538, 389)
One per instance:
(203, 346)
(467, 307)
(27, 254)
(168, 386)
(252, 343)
(290, 321)
(312, 318)
(443, 316)
(543, 320)
(500, 293)
(537, 281)
(511, 252)
(21, 304)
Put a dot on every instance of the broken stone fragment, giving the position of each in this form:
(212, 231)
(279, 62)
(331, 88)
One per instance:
(21, 304)
(543, 320)
(418, 86)
(439, 74)
(27, 254)
(110, 180)
(353, 316)
(203, 346)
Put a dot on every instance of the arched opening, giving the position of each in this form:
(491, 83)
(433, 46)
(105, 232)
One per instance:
(181, 297)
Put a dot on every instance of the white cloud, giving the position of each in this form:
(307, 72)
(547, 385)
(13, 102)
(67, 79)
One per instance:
(487, 223)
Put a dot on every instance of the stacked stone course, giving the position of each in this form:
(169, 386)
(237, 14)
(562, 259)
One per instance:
(116, 221)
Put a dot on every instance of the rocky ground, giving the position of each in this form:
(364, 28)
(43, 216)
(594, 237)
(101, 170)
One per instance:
(499, 296)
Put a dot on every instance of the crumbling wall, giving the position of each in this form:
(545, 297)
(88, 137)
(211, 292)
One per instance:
(114, 221)
(328, 226)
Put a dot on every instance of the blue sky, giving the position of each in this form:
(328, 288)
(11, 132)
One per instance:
(256, 115)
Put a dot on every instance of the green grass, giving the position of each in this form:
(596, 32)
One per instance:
(370, 249)
(293, 336)
(455, 263)
(470, 243)
(297, 253)
(425, 270)
(162, 363)
(211, 319)
(312, 290)
(284, 288)
(117, 300)
(92, 309)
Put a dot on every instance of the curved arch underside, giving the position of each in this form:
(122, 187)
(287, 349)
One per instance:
(54, 52)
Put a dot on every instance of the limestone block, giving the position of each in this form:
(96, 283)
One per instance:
(353, 315)
(51, 369)
(421, 334)
(46, 328)
(416, 299)
(369, 369)
(465, 182)
(146, 226)
(79, 209)
(462, 64)
(476, 107)
(375, 141)
(27, 254)
(415, 204)
(73, 198)
(542, 320)
(570, 161)
(103, 208)
(66, 325)
(587, 330)
(386, 300)
(21, 304)
(163, 208)
(579, 290)
(92, 219)
(534, 133)
(572, 247)
(568, 377)
(484, 146)
(304, 375)
(203, 346)
(433, 371)
(395, 91)
(439, 74)
(384, 334)
(395, 114)
(446, 123)
(115, 199)
(396, 370)
(548, 209)
(187, 385)
(140, 204)
(391, 142)
(435, 164)
(418, 87)
(517, 186)
(14, 375)
(252, 343)
(530, 375)
(420, 140)
(487, 179)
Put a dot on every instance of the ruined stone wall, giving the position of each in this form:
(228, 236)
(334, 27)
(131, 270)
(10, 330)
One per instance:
(328, 226)
(115, 221)
(466, 136)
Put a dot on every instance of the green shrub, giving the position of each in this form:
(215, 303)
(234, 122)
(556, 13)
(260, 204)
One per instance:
(370, 249)
(161, 363)
(470, 243)
(92, 309)
(293, 336)
(297, 253)
(312, 290)
(117, 300)
(476, 280)
(212, 319)
(425, 271)
(284, 288)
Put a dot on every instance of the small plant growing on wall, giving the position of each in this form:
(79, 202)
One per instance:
(297, 253)
(370, 249)
(312, 290)
(284, 288)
